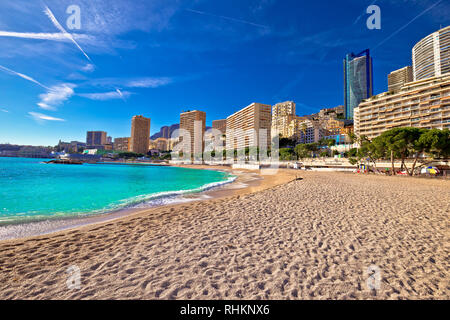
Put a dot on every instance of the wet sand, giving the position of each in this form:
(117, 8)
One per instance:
(313, 238)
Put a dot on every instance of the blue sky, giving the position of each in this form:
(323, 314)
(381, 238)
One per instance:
(160, 57)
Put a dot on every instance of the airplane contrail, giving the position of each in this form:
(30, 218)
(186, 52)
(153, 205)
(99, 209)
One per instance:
(51, 16)
(41, 36)
(228, 18)
(415, 18)
(361, 15)
(24, 76)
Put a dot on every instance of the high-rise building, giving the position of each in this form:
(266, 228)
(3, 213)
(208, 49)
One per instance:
(243, 127)
(423, 104)
(282, 115)
(96, 138)
(358, 80)
(397, 78)
(121, 144)
(431, 55)
(194, 122)
(220, 125)
(140, 134)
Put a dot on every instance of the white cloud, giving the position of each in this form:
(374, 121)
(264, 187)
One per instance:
(4, 110)
(40, 117)
(102, 23)
(55, 96)
(88, 68)
(144, 82)
(76, 76)
(103, 96)
(119, 17)
(148, 82)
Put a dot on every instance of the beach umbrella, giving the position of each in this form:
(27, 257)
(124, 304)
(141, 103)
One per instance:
(430, 170)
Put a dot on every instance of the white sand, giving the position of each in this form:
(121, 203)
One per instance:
(308, 239)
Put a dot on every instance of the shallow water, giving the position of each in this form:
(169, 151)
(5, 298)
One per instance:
(33, 190)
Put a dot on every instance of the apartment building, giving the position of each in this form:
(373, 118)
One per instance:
(310, 131)
(244, 128)
(333, 126)
(140, 134)
(423, 104)
(194, 122)
(96, 138)
(398, 78)
(282, 115)
(431, 55)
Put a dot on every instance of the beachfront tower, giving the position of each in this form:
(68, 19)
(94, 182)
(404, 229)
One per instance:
(194, 122)
(358, 80)
(431, 55)
(140, 134)
(249, 126)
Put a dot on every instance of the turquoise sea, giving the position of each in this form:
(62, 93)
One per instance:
(32, 190)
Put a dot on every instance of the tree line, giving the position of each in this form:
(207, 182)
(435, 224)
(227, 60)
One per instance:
(401, 144)
(395, 144)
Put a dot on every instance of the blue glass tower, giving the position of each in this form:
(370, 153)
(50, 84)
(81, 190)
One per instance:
(358, 80)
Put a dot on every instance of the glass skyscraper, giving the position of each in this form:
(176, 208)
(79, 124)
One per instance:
(358, 80)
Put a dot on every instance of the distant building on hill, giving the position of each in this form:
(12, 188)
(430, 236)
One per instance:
(282, 115)
(165, 132)
(162, 144)
(304, 130)
(122, 144)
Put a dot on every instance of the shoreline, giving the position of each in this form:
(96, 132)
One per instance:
(245, 181)
(309, 238)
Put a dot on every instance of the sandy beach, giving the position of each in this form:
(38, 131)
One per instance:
(282, 238)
